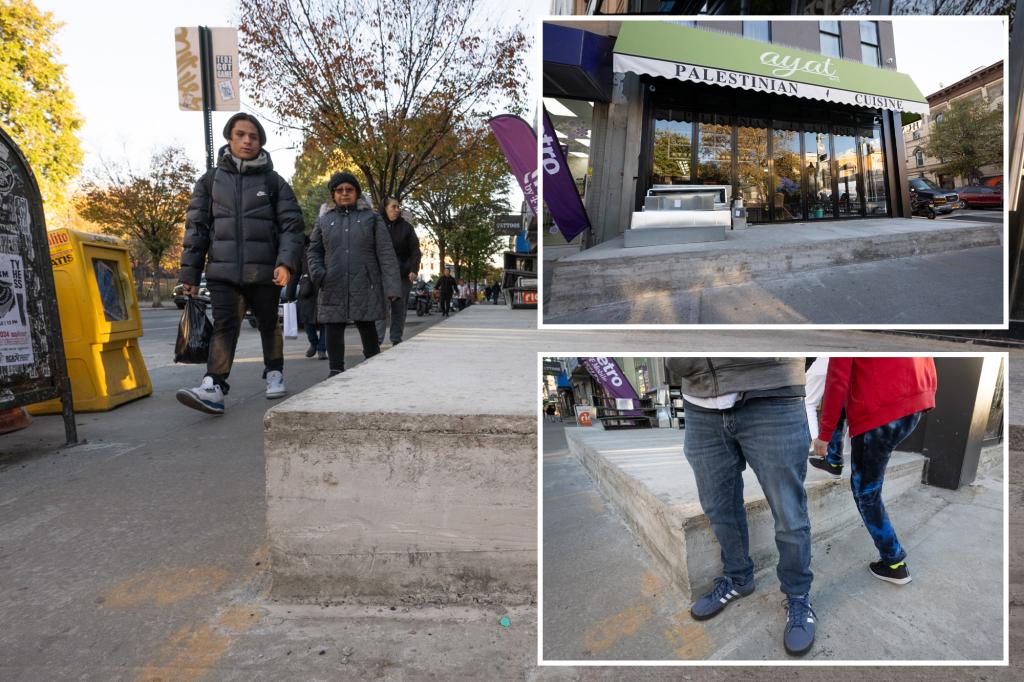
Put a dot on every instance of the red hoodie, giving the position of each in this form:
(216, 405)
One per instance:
(875, 391)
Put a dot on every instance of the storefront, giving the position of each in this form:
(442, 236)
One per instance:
(799, 136)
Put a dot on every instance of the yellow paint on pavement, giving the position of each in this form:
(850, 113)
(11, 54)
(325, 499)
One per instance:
(610, 630)
(165, 586)
(688, 638)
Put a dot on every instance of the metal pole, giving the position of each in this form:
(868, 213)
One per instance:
(206, 69)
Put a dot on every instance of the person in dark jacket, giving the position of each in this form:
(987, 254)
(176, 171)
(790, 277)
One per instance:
(305, 296)
(446, 286)
(407, 250)
(884, 399)
(742, 411)
(496, 292)
(352, 261)
(245, 227)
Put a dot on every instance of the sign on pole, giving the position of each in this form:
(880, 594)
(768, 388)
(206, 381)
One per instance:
(224, 68)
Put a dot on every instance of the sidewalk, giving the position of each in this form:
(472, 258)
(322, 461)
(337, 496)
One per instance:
(605, 598)
(870, 271)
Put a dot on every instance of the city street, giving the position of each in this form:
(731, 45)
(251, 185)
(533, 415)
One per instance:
(978, 215)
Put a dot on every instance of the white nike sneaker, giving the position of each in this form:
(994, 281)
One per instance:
(207, 397)
(275, 385)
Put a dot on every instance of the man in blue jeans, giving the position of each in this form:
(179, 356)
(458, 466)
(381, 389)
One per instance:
(743, 411)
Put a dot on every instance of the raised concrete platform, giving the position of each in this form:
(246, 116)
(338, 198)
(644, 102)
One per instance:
(610, 273)
(412, 477)
(646, 476)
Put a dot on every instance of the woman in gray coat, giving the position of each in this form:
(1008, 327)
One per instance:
(353, 264)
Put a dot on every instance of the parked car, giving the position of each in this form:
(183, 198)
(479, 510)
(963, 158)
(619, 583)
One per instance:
(180, 298)
(928, 199)
(981, 197)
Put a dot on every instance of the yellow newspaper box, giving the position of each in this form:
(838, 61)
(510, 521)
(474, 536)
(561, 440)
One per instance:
(99, 316)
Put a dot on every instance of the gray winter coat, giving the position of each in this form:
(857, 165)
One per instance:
(250, 224)
(353, 264)
(712, 377)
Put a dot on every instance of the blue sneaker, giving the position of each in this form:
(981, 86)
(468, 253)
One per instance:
(724, 592)
(207, 397)
(799, 635)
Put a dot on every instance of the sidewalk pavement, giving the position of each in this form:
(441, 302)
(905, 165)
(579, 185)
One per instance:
(605, 598)
(891, 271)
(141, 557)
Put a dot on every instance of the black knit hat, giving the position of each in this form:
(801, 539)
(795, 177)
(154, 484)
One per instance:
(341, 178)
(241, 116)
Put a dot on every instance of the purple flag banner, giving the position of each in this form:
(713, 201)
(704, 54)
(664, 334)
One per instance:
(559, 189)
(519, 143)
(608, 373)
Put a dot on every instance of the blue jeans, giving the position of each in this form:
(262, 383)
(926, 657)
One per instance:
(317, 336)
(834, 455)
(771, 435)
(870, 455)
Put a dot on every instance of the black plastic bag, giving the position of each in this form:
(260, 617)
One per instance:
(194, 332)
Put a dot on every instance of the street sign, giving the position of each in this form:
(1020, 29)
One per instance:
(223, 68)
(32, 363)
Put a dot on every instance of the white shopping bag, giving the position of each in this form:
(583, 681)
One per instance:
(291, 320)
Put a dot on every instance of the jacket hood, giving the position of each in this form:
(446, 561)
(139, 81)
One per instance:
(261, 164)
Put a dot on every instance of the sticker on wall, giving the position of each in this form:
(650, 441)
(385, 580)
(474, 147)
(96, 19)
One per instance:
(15, 337)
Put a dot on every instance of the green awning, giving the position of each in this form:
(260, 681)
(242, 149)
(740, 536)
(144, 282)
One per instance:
(691, 54)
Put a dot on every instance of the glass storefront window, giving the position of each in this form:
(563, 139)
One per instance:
(786, 157)
(673, 147)
(818, 173)
(874, 172)
(573, 123)
(714, 150)
(752, 167)
(847, 172)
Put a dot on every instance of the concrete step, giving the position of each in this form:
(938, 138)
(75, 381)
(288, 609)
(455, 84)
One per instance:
(649, 480)
(610, 273)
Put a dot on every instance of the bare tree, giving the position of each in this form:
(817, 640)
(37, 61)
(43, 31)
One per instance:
(145, 207)
(386, 83)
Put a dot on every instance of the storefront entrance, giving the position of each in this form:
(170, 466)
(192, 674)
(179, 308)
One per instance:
(803, 162)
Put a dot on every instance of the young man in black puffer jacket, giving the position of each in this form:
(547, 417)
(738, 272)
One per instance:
(245, 227)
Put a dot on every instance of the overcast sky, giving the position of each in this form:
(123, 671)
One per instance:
(120, 63)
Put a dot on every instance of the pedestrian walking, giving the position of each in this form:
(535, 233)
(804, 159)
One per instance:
(446, 286)
(315, 332)
(551, 413)
(244, 227)
(884, 399)
(496, 291)
(352, 261)
(832, 463)
(407, 250)
(742, 411)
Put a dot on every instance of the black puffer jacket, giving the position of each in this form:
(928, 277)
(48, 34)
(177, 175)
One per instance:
(407, 245)
(352, 262)
(251, 224)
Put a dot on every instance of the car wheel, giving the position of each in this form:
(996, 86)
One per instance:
(252, 321)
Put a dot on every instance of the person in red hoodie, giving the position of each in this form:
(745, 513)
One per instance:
(884, 400)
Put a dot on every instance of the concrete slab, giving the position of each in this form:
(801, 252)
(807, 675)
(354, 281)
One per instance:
(647, 477)
(610, 273)
(394, 484)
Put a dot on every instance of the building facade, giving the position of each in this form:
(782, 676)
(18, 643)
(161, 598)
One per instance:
(984, 85)
(631, 113)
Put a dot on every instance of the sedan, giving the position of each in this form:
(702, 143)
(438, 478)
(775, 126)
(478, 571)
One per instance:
(981, 197)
